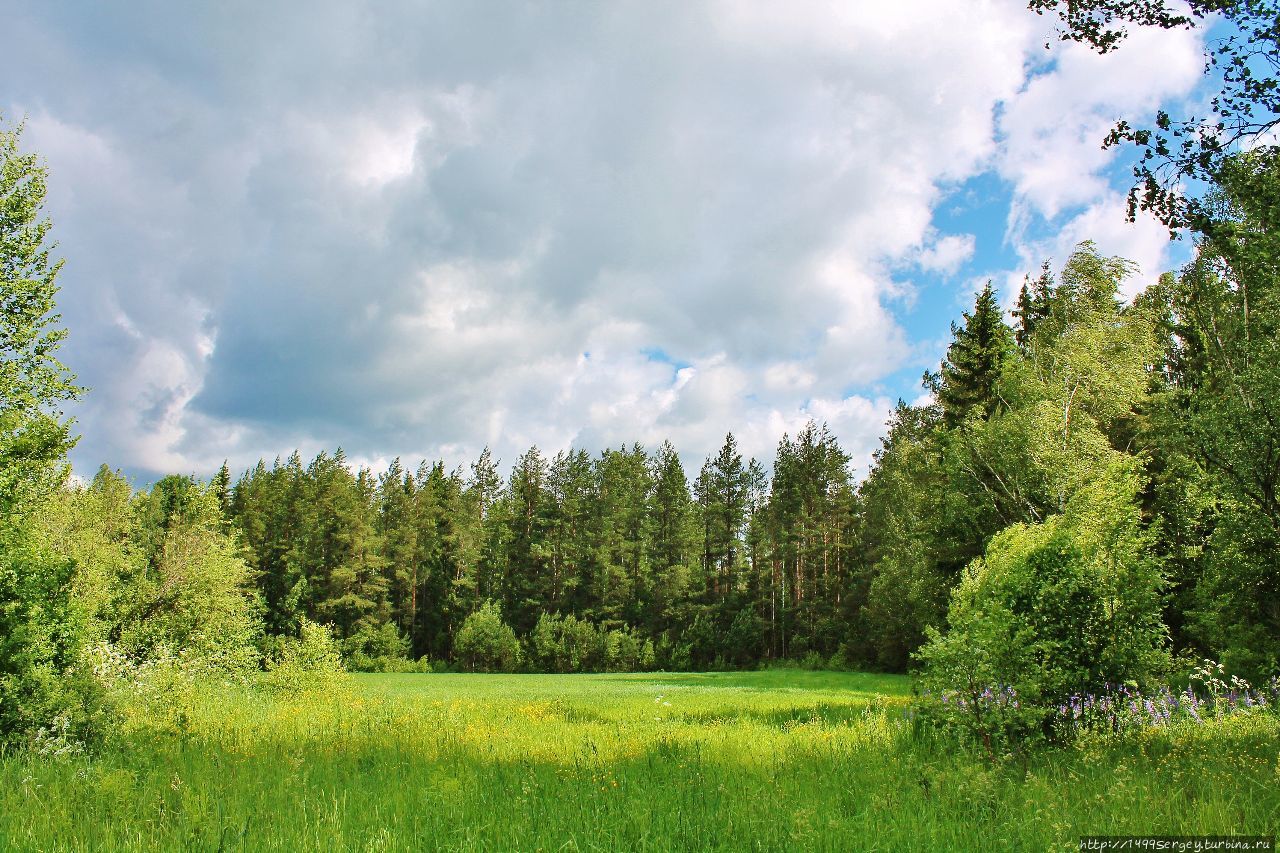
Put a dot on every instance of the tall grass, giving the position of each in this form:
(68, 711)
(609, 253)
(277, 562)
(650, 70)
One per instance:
(778, 760)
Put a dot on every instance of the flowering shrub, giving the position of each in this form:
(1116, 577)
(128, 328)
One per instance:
(998, 719)
(1125, 708)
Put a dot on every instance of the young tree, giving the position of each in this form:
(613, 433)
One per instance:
(1033, 305)
(487, 644)
(39, 630)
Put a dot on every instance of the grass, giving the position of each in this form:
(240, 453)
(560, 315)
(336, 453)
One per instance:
(775, 760)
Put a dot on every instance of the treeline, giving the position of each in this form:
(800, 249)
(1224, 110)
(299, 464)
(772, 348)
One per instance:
(1167, 403)
(618, 556)
(1156, 418)
(1091, 497)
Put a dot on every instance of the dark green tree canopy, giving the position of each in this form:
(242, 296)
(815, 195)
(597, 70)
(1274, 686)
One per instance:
(975, 359)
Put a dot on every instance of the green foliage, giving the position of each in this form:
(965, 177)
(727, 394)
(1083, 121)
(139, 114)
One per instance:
(902, 587)
(487, 644)
(1063, 607)
(380, 649)
(188, 599)
(1215, 426)
(310, 662)
(34, 435)
(43, 679)
(1241, 65)
(40, 630)
(975, 361)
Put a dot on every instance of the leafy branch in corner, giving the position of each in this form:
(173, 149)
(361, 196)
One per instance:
(1244, 110)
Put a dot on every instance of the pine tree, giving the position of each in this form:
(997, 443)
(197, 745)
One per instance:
(437, 610)
(721, 492)
(525, 563)
(572, 482)
(671, 539)
(398, 535)
(622, 579)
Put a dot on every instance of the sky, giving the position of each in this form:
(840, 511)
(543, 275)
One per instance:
(417, 229)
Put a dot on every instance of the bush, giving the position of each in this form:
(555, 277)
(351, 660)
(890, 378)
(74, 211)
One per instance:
(312, 661)
(485, 643)
(626, 652)
(380, 649)
(360, 662)
(44, 682)
(813, 661)
(1062, 608)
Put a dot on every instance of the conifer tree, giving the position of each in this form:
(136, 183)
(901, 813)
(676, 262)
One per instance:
(974, 361)
(572, 481)
(1033, 305)
(671, 538)
(436, 610)
(525, 558)
(721, 492)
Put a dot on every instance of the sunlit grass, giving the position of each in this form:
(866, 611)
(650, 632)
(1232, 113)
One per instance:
(777, 760)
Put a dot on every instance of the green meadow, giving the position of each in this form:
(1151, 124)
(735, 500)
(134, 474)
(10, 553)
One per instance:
(771, 760)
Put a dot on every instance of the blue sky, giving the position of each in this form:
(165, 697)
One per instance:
(416, 229)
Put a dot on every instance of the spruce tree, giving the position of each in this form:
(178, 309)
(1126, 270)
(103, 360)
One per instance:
(1033, 305)
(974, 360)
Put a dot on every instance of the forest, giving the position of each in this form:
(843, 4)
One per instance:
(1134, 435)
(1077, 530)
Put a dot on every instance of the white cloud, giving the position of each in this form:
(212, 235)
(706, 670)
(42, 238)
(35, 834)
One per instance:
(1053, 128)
(415, 232)
(947, 253)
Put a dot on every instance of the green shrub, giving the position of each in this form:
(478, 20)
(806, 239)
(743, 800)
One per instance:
(626, 652)
(44, 680)
(487, 644)
(1062, 608)
(380, 649)
(310, 662)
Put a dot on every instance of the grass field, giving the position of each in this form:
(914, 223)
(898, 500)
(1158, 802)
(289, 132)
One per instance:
(775, 760)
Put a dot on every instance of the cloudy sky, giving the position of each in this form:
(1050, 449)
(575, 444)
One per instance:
(416, 229)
